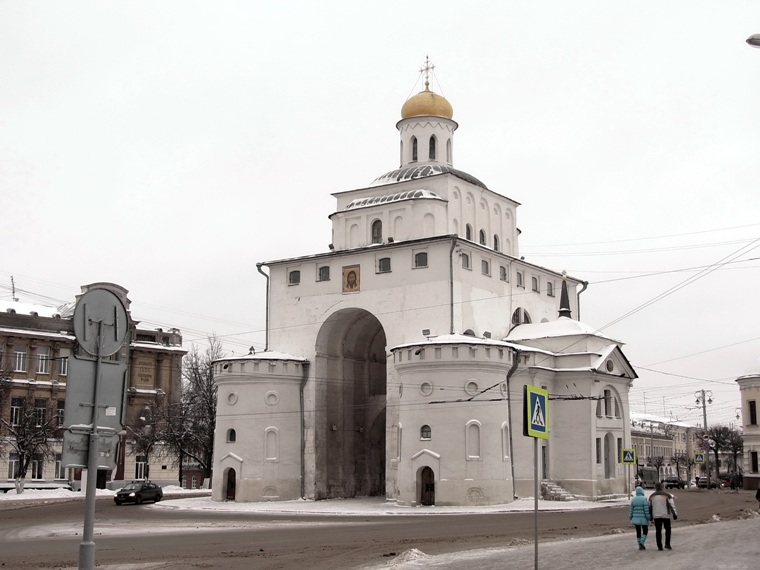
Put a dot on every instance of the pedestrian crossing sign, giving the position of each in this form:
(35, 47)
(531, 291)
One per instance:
(699, 458)
(536, 409)
(628, 456)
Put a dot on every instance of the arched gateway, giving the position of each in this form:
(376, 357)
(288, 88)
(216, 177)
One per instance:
(349, 418)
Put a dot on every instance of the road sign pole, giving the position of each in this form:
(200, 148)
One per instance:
(87, 546)
(535, 501)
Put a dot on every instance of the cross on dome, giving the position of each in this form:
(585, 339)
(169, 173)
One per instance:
(426, 69)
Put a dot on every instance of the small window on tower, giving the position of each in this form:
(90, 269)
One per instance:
(420, 259)
(384, 265)
(324, 273)
(495, 243)
(377, 231)
(414, 149)
(482, 236)
(432, 153)
(294, 277)
(465, 261)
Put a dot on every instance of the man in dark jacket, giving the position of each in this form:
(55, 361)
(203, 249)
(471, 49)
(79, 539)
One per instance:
(662, 506)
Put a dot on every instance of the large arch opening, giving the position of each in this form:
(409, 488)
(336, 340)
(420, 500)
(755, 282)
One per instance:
(350, 397)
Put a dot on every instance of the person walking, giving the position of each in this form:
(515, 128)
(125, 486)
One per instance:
(640, 516)
(662, 506)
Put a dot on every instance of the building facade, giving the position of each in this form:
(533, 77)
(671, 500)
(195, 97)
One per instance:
(749, 388)
(36, 343)
(396, 361)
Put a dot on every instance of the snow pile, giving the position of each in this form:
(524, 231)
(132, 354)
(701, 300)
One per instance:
(408, 556)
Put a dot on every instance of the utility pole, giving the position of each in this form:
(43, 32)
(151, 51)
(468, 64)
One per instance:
(704, 397)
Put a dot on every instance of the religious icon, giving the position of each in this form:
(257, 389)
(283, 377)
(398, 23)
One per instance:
(351, 278)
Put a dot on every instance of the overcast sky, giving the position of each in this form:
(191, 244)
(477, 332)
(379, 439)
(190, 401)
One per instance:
(170, 146)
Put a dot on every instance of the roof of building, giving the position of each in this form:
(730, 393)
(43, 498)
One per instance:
(427, 104)
(423, 171)
(397, 197)
(563, 326)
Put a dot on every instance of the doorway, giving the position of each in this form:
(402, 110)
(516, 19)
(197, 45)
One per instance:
(427, 487)
(230, 494)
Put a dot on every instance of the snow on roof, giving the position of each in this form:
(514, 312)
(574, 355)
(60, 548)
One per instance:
(38, 334)
(157, 346)
(268, 355)
(457, 338)
(397, 197)
(563, 326)
(20, 308)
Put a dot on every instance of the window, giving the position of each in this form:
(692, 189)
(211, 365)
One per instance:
(465, 261)
(420, 259)
(599, 450)
(519, 279)
(13, 465)
(432, 150)
(194, 484)
(271, 444)
(468, 232)
(503, 275)
(64, 363)
(425, 432)
(60, 470)
(485, 267)
(324, 273)
(482, 237)
(377, 231)
(231, 436)
(294, 277)
(619, 449)
(38, 466)
(141, 467)
(19, 353)
(520, 317)
(473, 440)
(40, 412)
(448, 151)
(17, 408)
(60, 412)
(43, 360)
(752, 460)
(550, 289)
(534, 284)
(414, 149)
(752, 412)
(384, 265)
(608, 403)
(495, 242)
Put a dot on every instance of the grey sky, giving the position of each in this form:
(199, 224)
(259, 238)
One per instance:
(169, 146)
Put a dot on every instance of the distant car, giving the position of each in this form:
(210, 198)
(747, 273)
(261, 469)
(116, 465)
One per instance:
(702, 483)
(674, 483)
(139, 492)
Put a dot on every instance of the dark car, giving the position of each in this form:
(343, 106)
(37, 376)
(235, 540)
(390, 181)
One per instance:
(139, 492)
(674, 483)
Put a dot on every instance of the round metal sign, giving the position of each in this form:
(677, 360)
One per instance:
(100, 319)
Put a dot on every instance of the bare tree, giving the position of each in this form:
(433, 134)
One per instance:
(31, 431)
(188, 426)
(680, 460)
(718, 437)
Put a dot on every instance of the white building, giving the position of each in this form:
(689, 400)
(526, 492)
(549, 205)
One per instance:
(749, 387)
(396, 361)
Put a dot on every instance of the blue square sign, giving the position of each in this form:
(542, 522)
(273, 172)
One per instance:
(536, 412)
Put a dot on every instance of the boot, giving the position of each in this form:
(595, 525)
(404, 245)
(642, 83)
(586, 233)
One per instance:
(643, 540)
(640, 540)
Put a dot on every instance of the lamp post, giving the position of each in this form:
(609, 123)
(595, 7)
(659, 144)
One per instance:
(704, 397)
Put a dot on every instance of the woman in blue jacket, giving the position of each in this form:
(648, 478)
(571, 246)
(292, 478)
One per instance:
(640, 516)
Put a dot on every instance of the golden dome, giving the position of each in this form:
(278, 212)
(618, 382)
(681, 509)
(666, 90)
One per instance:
(427, 103)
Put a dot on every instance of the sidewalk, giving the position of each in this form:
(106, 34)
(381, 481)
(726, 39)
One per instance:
(721, 545)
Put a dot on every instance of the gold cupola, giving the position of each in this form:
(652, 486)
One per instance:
(427, 103)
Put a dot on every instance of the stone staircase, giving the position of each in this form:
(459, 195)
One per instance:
(550, 491)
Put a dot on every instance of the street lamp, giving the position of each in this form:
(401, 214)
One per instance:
(704, 397)
(754, 40)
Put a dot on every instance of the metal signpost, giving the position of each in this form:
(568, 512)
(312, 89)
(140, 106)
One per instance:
(535, 425)
(100, 327)
(628, 458)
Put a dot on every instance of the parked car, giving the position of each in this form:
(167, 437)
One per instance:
(674, 483)
(137, 492)
(702, 483)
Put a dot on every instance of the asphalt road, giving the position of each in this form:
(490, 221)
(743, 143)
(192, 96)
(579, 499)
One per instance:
(48, 535)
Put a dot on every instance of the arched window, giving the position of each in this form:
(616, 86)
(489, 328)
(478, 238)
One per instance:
(468, 232)
(271, 444)
(520, 317)
(503, 273)
(482, 236)
(432, 150)
(495, 242)
(294, 277)
(485, 267)
(465, 261)
(377, 231)
(324, 273)
(231, 436)
(520, 279)
(534, 284)
(420, 259)
(425, 432)
(448, 151)
(550, 289)
(473, 440)
(414, 149)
